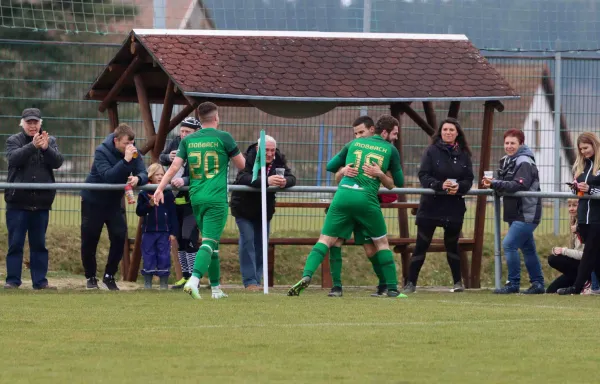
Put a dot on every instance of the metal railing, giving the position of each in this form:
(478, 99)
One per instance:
(400, 191)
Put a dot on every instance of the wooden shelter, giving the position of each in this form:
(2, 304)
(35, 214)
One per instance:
(300, 74)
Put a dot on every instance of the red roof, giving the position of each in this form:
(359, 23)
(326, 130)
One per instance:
(312, 66)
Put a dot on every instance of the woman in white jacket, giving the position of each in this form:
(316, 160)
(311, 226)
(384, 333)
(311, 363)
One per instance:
(566, 260)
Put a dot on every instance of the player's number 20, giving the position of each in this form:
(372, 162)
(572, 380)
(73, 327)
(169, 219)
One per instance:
(369, 159)
(200, 164)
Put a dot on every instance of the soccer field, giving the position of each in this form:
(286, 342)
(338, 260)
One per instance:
(158, 337)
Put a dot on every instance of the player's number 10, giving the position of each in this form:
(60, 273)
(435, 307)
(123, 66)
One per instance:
(200, 164)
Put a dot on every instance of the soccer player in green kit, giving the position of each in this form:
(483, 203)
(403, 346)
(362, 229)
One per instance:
(207, 152)
(355, 203)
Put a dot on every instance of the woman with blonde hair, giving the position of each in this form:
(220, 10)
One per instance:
(587, 182)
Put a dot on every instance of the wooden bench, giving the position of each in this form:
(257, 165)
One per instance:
(404, 246)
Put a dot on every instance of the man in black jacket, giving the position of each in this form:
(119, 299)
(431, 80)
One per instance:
(32, 156)
(115, 162)
(188, 229)
(246, 208)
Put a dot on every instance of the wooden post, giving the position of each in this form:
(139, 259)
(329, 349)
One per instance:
(396, 111)
(404, 107)
(454, 108)
(118, 85)
(271, 264)
(430, 114)
(165, 119)
(484, 164)
(113, 117)
(175, 262)
(136, 257)
(144, 104)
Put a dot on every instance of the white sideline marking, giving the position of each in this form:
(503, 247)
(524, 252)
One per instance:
(515, 305)
(315, 325)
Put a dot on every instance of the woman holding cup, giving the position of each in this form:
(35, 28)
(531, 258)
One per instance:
(246, 208)
(445, 167)
(518, 172)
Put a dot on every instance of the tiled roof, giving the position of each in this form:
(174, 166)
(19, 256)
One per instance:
(339, 67)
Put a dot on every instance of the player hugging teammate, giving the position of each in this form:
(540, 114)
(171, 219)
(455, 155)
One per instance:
(355, 204)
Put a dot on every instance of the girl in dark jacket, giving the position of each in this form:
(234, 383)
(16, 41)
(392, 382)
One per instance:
(445, 167)
(246, 208)
(587, 181)
(159, 229)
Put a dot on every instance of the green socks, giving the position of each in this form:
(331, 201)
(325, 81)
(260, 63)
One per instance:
(335, 263)
(315, 258)
(214, 269)
(203, 259)
(388, 268)
(377, 269)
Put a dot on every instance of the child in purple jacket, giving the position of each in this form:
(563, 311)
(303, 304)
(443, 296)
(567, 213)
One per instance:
(158, 231)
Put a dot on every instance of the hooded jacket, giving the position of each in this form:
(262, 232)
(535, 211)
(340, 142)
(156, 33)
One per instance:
(247, 205)
(519, 173)
(441, 162)
(110, 167)
(166, 161)
(28, 164)
(588, 211)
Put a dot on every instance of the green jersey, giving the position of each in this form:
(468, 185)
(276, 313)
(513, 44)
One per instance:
(368, 150)
(207, 153)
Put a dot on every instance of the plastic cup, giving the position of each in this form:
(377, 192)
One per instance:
(488, 174)
(280, 171)
(453, 181)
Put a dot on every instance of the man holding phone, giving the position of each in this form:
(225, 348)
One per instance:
(116, 161)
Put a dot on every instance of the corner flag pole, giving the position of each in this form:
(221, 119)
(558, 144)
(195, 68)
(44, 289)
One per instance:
(263, 204)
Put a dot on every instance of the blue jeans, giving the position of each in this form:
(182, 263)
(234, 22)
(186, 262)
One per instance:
(595, 283)
(21, 222)
(251, 248)
(520, 236)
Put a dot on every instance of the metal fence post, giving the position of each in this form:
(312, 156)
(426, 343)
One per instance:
(497, 240)
(557, 141)
(366, 29)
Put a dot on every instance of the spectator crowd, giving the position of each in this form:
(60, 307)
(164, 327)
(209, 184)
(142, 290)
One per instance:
(446, 167)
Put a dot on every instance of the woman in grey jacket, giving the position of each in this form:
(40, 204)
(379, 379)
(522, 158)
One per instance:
(518, 172)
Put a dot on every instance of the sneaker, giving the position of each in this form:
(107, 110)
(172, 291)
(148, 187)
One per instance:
(458, 287)
(299, 286)
(507, 289)
(535, 289)
(409, 288)
(254, 288)
(192, 291)
(393, 293)
(568, 291)
(11, 286)
(217, 293)
(335, 292)
(92, 283)
(109, 283)
(595, 292)
(587, 288)
(381, 291)
(180, 283)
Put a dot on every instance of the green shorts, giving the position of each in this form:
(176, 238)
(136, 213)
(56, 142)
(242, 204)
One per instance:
(211, 219)
(360, 238)
(352, 209)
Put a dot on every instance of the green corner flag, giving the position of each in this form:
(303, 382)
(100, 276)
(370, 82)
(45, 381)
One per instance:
(259, 154)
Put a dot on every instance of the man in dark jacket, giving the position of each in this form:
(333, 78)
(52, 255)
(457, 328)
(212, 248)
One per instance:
(246, 208)
(32, 156)
(187, 239)
(115, 162)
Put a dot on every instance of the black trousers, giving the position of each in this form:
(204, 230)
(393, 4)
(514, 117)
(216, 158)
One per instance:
(425, 231)
(93, 218)
(568, 267)
(590, 261)
(188, 229)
